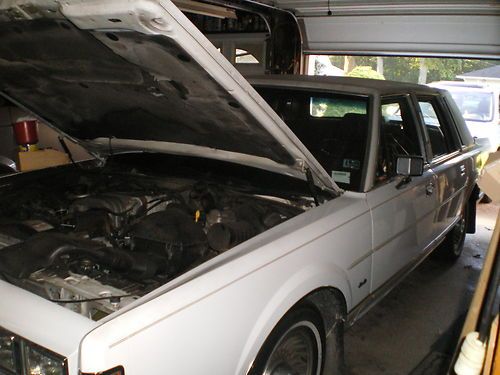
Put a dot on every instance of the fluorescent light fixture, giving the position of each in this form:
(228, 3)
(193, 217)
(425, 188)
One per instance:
(205, 9)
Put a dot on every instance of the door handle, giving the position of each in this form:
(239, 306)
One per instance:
(462, 170)
(429, 189)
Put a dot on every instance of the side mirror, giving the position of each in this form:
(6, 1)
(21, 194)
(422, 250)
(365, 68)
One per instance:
(410, 166)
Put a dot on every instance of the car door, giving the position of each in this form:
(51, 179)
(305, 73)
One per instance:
(452, 167)
(402, 211)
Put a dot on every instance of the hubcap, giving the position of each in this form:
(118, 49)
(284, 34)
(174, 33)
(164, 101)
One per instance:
(298, 352)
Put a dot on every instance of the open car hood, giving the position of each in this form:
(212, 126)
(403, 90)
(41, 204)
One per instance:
(128, 76)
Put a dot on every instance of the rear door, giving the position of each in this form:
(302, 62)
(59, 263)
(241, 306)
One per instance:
(452, 167)
(402, 213)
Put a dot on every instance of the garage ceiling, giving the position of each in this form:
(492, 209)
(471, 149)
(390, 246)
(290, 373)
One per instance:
(425, 28)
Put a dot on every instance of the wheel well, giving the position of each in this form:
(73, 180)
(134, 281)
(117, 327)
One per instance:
(331, 305)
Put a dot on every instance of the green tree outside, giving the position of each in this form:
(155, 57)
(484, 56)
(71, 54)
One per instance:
(362, 71)
(408, 69)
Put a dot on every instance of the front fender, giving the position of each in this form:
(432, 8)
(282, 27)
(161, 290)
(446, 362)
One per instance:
(298, 285)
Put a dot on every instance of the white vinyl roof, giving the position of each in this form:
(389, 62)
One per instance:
(467, 28)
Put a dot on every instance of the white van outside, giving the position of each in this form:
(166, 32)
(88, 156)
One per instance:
(479, 104)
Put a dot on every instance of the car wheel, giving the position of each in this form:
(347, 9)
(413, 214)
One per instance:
(452, 246)
(295, 346)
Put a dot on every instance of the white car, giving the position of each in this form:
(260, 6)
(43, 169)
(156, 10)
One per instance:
(214, 233)
(480, 107)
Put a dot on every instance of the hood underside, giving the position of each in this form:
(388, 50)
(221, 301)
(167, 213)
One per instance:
(125, 85)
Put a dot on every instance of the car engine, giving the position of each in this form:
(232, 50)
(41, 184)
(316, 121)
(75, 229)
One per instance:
(97, 244)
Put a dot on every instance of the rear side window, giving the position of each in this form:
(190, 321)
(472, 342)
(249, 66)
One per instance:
(458, 120)
(434, 130)
(442, 135)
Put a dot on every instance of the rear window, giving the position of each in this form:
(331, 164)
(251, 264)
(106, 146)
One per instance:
(336, 106)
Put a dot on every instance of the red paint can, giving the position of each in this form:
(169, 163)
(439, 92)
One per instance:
(26, 132)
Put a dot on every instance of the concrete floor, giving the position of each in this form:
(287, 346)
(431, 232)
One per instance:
(414, 329)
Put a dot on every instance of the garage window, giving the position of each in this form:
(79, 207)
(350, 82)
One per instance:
(401, 68)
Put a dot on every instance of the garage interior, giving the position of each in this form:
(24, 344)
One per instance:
(415, 329)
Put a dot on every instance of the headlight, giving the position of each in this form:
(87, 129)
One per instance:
(20, 356)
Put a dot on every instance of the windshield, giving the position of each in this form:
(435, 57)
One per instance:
(475, 106)
(333, 127)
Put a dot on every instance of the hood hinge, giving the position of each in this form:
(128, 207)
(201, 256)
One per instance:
(312, 186)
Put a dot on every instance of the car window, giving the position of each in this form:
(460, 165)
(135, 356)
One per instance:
(442, 135)
(475, 106)
(334, 128)
(457, 120)
(335, 107)
(398, 136)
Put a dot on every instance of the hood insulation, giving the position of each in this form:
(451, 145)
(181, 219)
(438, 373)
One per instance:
(126, 85)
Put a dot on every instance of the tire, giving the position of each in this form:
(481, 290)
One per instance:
(295, 346)
(452, 246)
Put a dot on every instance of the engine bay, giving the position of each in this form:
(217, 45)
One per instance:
(94, 241)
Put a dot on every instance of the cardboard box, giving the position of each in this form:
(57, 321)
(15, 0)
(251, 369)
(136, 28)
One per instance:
(489, 181)
(40, 159)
